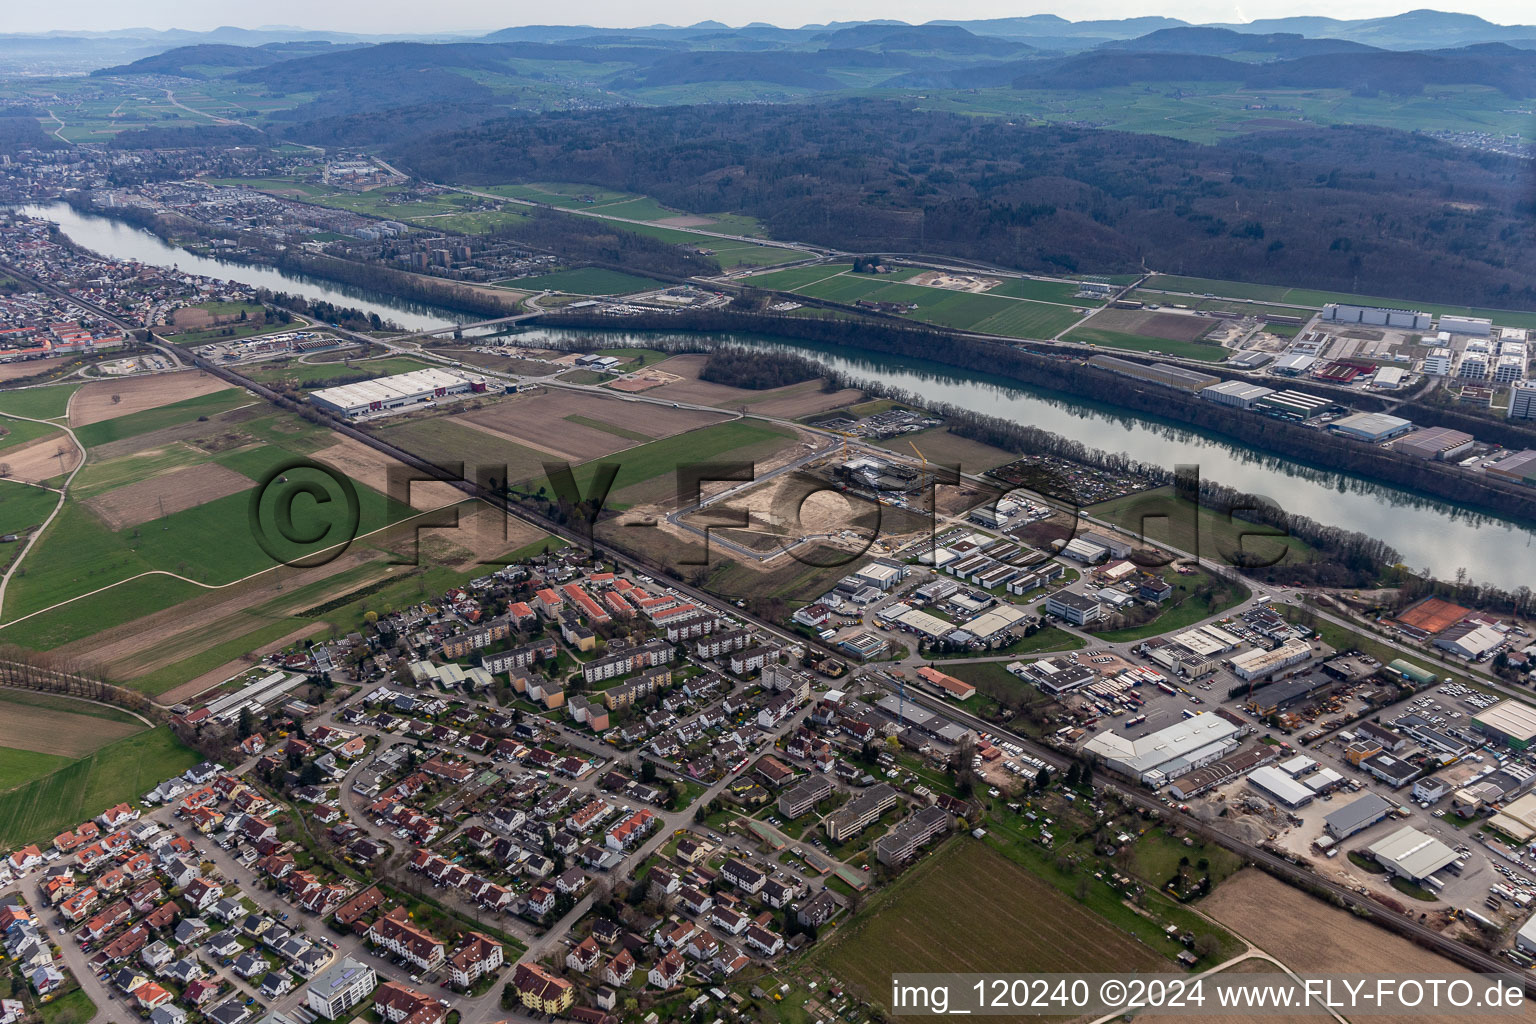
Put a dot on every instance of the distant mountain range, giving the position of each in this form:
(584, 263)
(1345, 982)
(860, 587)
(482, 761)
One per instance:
(73, 51)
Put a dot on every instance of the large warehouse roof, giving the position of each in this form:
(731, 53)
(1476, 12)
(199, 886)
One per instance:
(1155, 749)
(1411, 853)
(1353, 816)
(1273, 782)
(389, 389)
(1510, 718)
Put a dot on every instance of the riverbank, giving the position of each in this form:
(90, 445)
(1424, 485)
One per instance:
(1074, 376)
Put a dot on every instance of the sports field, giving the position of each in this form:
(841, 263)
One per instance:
(121, 771)
(966, 908)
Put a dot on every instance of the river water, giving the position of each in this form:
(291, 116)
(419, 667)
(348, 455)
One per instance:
(1429, 533)
(123, 241)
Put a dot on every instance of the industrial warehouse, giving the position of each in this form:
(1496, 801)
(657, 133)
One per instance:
(390, 394)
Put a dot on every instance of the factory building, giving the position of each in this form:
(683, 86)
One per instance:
(1293, 405)
(1477, 326)
(1345, 313)
(1167, 754)
(1158, 373)
(1519, 468)
(1434, 443)
(1512, 722)
(1277, 697)
(1469, 640)
(1280, 787)
(1357, 815)
(1372, 427)
(401, 391)
(1237, 393)
(1257, 664)
(1411, 854)
(1388, 378)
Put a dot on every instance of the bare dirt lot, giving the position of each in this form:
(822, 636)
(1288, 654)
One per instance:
(1311, 936)
(789, 402)
(47, 731)
(41, 460)
(569, 425)
(13, 371)
(136, 503)
(221, 433)
(372, 469)
(956, 282)
(1152, 323)
(93, 402)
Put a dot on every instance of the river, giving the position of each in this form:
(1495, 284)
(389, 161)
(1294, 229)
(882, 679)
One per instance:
(1429, 533)
(124, 241)
(1434, 534)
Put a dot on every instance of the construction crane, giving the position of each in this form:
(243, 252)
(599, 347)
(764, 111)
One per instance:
(919, 454)
(845, 435)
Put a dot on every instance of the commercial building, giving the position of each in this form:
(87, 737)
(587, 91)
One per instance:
(1277, 697)
(1158, 373)
(1469, 640)
(1394, 771)
(340, 988)
(1257, 664)
(1388, 378)
(1510, 721)
(1372, 427)
(1237, 393)
(1411, 854)
(945, 685)
(1380, 316)
(1357, 815)
(1280, 787)
(1438, 363)
(1162, 756)
(1293, 405)
(1522, 400)
(1075, 608)
(1434, 443)
(398, 392)
(1477, 326)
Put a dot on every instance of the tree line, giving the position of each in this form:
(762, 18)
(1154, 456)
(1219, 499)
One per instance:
(1348, 208)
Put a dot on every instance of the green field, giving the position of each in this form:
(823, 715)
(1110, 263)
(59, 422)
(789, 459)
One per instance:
(1042, 291)
(21, 432)
(443, 442)
(18, 767)
(796, 278)
(121, 771)
(213, 543)
(1027, 925)
(136, 423)
(23, 506)
(586, 281)
(1182, 610)
(1143, 343)
(40, 403)
(648, 472)
(98, 613)
(357, 369)
(1181, 524)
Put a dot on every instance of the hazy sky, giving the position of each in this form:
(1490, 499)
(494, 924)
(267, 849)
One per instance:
(458, 15)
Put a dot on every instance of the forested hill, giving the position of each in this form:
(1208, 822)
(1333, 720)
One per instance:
(1350, 208)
